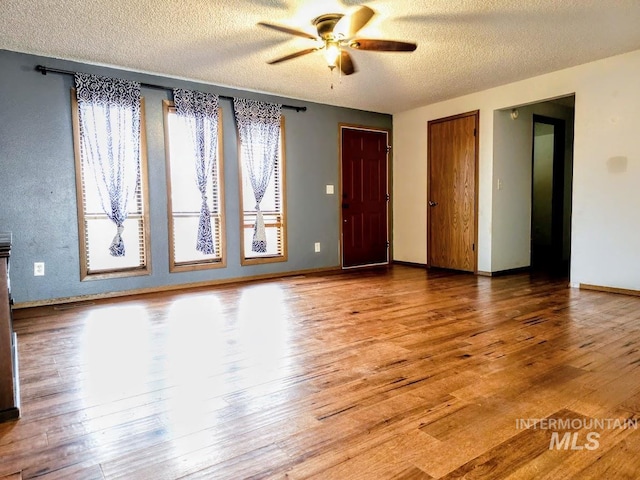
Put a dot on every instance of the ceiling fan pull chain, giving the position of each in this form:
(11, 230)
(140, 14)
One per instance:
(331, 69)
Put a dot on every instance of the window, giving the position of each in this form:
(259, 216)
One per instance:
(96, 230)
(185, 201)
(273, 208)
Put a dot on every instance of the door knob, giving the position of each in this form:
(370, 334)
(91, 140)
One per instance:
(432, 203)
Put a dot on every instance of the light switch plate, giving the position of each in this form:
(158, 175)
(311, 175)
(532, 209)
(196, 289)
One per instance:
(329, 189)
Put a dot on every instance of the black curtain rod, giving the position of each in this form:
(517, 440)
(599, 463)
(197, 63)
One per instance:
(44, 70)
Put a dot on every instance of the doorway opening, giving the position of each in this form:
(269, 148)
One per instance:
(548, 196)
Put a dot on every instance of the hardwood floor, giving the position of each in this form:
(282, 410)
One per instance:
(383, 374)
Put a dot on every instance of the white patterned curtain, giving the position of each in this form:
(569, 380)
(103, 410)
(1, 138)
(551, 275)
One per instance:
(109, 118)
(200, 112)
(259, 132)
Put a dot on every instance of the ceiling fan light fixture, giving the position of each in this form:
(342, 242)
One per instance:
(332, 53)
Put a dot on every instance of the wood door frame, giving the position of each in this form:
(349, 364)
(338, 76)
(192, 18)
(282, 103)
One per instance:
(388, 131)
(430, 123)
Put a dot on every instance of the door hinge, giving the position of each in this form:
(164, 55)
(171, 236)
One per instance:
(387, 197)
(473, 247)
(388, 148)
(387, 244)
(474, 132)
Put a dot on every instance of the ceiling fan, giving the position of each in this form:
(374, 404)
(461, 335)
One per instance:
(336, 33)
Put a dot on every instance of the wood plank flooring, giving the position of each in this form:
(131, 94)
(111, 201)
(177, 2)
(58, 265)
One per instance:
(394, 373)
(13, 476)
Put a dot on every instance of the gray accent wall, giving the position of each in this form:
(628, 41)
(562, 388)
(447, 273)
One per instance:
(38, 194)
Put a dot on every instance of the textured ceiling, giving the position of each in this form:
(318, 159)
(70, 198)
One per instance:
(463, 46)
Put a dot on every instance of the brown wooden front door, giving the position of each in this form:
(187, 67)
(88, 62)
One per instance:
(364, 197)
(451, 191)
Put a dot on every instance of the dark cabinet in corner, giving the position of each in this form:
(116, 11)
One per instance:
(9, 387)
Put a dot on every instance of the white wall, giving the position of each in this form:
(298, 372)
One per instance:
(606, 191)
(511, 208)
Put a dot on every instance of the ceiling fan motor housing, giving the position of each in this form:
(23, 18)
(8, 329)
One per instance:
(326, 23)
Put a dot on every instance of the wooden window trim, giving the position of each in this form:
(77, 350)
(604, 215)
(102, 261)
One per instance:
(284, 256)
(175, 267)
(85, 274)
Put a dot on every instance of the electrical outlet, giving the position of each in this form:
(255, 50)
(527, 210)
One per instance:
(38, 269)
(317, 247)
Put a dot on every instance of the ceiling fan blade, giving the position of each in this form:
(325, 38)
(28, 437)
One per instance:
(291, 31)
(350, 24)
(382, 45)
(346, 63)
(292, 55)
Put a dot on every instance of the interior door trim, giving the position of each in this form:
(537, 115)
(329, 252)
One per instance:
(476, 114)
(388, 131)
